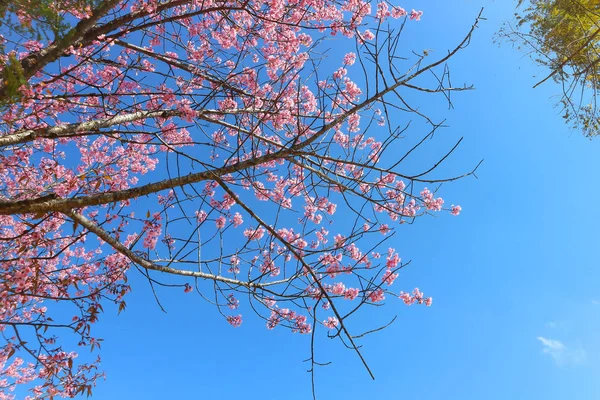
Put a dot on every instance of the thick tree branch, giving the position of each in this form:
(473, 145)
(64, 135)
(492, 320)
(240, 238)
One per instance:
(92, 127)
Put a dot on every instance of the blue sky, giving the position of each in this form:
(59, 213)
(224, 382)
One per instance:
(515, 278)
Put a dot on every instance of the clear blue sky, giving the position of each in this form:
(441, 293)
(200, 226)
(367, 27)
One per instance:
(520, 263)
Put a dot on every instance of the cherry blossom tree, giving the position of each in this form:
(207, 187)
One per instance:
(214, 142)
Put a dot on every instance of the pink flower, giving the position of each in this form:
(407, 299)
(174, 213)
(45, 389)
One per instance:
(331, 322)
(416, 15)
(333, 270)
(339, 240)
(398, 12)
(338, 288)
(254, 234)
(406, 297)
(187, 288)
(456, 210)
(33, 45)
(232, 302)
(220, 222)
(340, 73)
(269, 267)
(430, 202)
(351, 293)
(349, 59)
(227, 104)
(273, 320)
(235, 262)
(389, 277)
(331, 208)
(384, 229)
(235, 321)
(417, 297)
(382, 11)
(368, 35)
(269, 301)
(301, 326)
(201, 215)
(237, 219)
(377, 296)
(393, 259)
(153, 231)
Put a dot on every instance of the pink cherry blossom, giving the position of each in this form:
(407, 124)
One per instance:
(368, 35)
(398, 12)
(237, 219)
(331, 322)
(384, 229)
(235, 321)
(232, 302)
(456, 210)
(416, 297)
(389, 277)
(377, 296)
(254, 234)
(416, 15)
(351, 293)
(220, 222)
(349, 59)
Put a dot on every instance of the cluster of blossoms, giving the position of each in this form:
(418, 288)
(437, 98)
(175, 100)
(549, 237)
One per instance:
(331, 322)
(297, 321)
(235, 321)
(430, 202)
(415, 297)
(152, 229)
